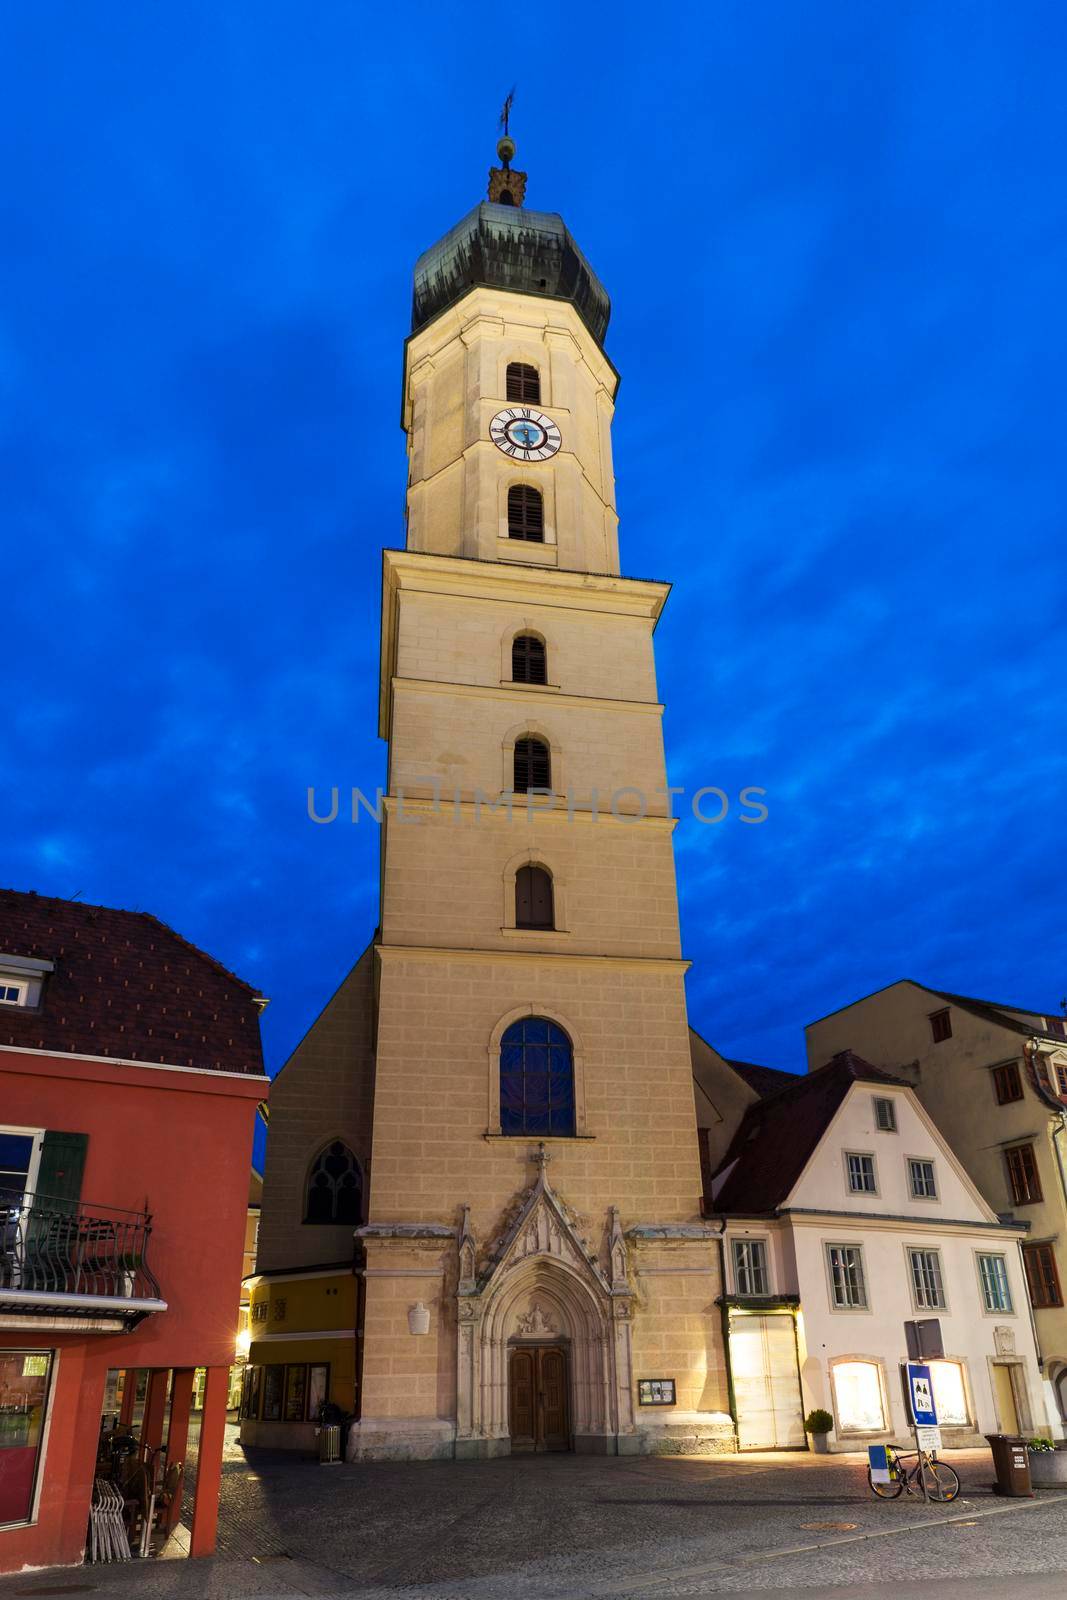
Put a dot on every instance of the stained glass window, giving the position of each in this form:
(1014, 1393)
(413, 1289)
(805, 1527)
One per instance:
(536, 1079)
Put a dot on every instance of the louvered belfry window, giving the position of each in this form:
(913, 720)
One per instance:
(528, 663)
(526, 514)
(533, 765)
(524, 384)
(533, 898)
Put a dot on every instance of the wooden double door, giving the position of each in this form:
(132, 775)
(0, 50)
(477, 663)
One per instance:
(537, 1398)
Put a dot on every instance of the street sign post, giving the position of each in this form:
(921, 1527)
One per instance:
(919, 1385)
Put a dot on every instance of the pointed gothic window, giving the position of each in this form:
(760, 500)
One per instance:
(526, 514)
(533, 765)
(528, 662)
(524, 384)
(536, 1079)
(335, 1187)
(533, 898)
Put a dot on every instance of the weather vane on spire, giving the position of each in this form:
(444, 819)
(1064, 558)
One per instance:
(506, 188)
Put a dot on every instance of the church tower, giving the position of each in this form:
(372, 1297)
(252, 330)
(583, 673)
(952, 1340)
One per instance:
(534, 1250)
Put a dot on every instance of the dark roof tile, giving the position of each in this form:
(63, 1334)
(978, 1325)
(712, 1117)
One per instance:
(778, 1134)
(124, 984)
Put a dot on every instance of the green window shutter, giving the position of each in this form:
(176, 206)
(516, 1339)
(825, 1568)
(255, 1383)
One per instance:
(59, 1176)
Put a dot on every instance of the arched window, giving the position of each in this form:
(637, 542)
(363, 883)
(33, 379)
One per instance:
(536, 1079)
(533, 898)
(524, 384)
(533, 765)
(528, 662)
(526, 514)
(335, 1187)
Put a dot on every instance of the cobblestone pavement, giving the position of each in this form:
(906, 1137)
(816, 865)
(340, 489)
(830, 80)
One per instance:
(544, 1528)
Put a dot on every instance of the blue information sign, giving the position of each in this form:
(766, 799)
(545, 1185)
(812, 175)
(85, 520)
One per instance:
(921, 1395)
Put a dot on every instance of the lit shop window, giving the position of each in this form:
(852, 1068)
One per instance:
(858, 1397)
(950, 1394)
(24, 1379)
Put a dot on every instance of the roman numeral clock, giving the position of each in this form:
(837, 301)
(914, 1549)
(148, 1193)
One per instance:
(524, 434)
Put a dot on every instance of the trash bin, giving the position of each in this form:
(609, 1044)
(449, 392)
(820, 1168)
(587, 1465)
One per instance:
(1011, 1462)
(330, 1444)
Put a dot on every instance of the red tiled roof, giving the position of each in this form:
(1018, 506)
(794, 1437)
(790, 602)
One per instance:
(125, 985)
(765, 1080)
(778, 1134)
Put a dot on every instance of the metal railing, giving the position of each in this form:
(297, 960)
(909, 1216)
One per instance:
(49, 1246)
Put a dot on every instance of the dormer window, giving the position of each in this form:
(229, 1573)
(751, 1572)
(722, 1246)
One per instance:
(21, 978)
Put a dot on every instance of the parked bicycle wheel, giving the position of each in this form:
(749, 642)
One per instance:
(941, 1482)
(886, 1491)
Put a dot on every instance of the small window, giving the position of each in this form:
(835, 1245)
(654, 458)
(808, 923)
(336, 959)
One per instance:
(848, 1286)
(927, 1284)
(1007, 1085)
(523, 383)
(922, 1180)
(861, 1179)
(1022, 1175)
(1061, 1078)
(885, 1116)
(533, 898)
(528, 661)
(533, 765)
(1042, 1279)
(335, 1187)
(11, 994)
(259, 1311)
(750, 1267)
(941, 1025)
(526, 514)
(993, 1274)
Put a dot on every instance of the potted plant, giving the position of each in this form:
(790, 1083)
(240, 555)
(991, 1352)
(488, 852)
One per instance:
(1048, 1463)
(818, 1423)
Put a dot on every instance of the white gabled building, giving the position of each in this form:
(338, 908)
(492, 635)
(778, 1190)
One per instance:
(845, 1214)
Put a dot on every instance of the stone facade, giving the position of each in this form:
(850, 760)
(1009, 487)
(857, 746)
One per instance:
(478, 1242)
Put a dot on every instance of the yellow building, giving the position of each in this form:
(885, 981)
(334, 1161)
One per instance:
(504, 1081)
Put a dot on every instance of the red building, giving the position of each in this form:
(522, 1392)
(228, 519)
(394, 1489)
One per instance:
(130, 1070)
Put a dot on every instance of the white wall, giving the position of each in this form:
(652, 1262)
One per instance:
(950, 1223)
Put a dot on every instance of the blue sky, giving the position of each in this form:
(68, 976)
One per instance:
(834, 238)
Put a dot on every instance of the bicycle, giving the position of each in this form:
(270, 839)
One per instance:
(940, 1481)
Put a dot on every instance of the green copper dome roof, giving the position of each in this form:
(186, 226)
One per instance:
(508, 247)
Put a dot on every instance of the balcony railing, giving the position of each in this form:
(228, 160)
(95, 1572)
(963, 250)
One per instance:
(56, 1257)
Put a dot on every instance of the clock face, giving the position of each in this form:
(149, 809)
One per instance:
(527, 435)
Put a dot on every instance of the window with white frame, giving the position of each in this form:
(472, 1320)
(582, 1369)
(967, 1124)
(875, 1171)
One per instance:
(922, 1180)
(885, 1115)
(848, 1284)
(950, 1394)
(927, 1283)
(11, 993)
(993, 1275)
(750, 1266)
(859, 1399)
(20, 1151)
(860, 1168)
